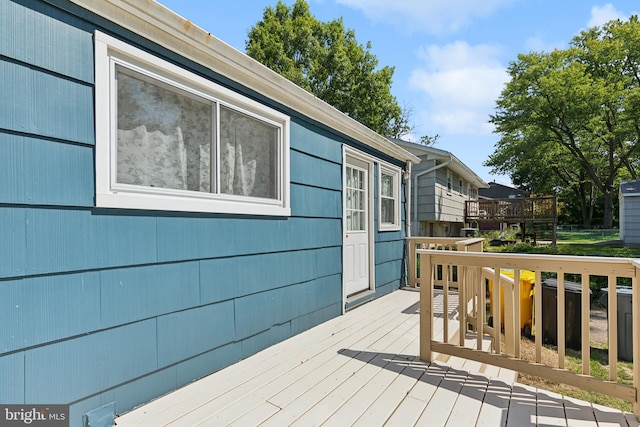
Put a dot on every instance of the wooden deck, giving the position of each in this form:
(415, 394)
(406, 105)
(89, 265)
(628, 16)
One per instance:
(362, 369)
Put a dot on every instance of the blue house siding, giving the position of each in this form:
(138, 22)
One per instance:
(12, 374)
(105, 305)
(69, 180)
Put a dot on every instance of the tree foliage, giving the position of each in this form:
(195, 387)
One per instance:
(325, 59)
(570, 119)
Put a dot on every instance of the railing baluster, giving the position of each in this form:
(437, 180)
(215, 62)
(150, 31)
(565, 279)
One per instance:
(462, 304)
(481, 292)
(612, 317)
(445, 301)
(516, 334)
(495, 305)
(586, 345)
(562, 316)
(538, 315)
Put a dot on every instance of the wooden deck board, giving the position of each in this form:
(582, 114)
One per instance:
(579, 413)
(362, 369)
(411, 405)
(609, 417)
(495, 405)
(444, 399)
(550, 409)
(522, 406)
(467, 408)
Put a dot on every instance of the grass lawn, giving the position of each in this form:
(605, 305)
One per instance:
(599, 369)
(586, 243)
(587, 236)
(583, 249)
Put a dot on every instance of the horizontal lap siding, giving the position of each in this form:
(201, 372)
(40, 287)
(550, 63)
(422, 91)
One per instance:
(12, 374)
(69, 180)
(103, 305)
(67, 371)
(44, 309)
(39, 34)
(44, 104)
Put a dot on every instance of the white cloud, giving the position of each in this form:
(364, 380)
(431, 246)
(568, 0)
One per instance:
(430, 16)
(539, 44)
(604, 14)
(460, 84)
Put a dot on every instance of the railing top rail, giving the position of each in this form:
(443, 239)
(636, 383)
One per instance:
(504, 277)
(513, 256)
(470, 241)
(434, 239)
(623, 267)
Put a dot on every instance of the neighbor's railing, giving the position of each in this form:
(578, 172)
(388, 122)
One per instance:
(475, 268)
(514, 209)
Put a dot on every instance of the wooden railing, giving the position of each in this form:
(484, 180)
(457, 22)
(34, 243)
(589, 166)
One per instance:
(438, 243)
(516, 209)
(475, 269)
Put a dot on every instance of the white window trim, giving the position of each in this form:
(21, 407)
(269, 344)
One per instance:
(396, 172)
(108, 50)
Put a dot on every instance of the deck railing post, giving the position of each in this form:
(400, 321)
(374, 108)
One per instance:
(413, 262)
(426, 307)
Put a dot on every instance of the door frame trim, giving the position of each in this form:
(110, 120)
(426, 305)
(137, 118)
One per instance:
(350, 152)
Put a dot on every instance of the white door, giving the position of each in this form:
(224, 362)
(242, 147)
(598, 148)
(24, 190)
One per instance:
(356, 219)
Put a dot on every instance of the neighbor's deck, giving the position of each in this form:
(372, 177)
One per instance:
(362, 369)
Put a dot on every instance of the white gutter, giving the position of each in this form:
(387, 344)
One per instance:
(415, 184)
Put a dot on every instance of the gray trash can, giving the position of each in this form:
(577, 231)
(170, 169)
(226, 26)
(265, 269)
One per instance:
(625, 334)
(572, 311)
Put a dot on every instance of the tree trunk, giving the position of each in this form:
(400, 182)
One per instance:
(607, 221)
(585, 195)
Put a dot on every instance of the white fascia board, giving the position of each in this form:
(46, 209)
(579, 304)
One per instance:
(159, 24)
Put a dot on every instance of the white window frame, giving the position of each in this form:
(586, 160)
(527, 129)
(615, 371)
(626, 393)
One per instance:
(396, 173)
(109, 52)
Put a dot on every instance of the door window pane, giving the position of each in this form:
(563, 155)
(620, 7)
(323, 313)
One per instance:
(355, 200)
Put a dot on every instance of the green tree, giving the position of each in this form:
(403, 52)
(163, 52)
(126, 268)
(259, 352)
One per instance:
(540, 166)
(325, 59)
(582, 103)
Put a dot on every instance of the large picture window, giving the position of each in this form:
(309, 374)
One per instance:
(389, 198)
(168, 139)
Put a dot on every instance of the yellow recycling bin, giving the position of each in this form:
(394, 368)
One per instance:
(527, 283)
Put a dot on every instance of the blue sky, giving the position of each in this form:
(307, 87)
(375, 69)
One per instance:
(450, 56)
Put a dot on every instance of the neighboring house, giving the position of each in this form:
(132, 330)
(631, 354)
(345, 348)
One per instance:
(629, 197)
(169, 206)
(440, 185)
(501, 191)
